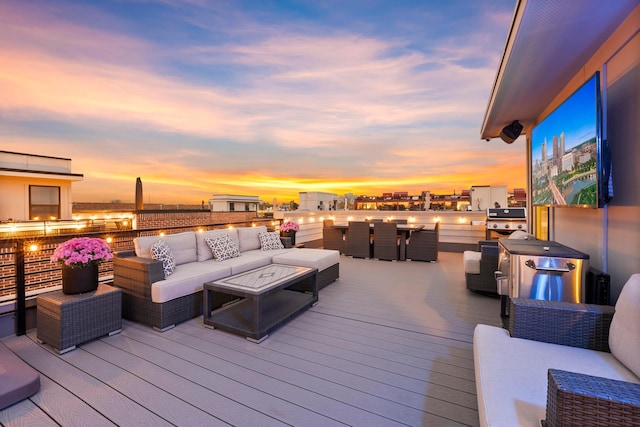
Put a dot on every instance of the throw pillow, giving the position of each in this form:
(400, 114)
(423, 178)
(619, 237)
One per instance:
(223, 247)
(161, 252)
(270, 241)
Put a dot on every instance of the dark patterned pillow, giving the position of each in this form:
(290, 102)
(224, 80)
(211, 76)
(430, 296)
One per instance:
(270, 241)
(161, 252)
(223, 247)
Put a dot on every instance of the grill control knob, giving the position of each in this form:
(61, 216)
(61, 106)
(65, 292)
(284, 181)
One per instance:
(495, 225)
(519, 225)
(506, 226)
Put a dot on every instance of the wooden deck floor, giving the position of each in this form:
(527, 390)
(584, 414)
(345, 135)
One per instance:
(389, 344)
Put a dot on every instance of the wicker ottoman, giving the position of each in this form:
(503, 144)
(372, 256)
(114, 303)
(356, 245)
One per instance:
(65, 321)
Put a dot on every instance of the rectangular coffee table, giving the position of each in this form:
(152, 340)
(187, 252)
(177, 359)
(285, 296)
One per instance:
(266, 299)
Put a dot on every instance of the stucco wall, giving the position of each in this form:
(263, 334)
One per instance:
(611, 236)
(14, 192)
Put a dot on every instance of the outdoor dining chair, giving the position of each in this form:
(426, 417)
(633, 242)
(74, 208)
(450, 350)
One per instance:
(358, 239)
(423, 244)
(333, 238)
(385, 241)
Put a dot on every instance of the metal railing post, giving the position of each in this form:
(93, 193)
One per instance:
(21, 298)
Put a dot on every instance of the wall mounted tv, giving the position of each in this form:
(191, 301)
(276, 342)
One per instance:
(570, 162)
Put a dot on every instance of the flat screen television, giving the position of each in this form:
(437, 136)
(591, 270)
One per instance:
(570, 162)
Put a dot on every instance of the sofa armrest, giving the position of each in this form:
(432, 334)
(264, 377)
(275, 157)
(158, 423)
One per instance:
(482, 243)
(580, 400)
(489, 260)
(135, 274)
(565, 323)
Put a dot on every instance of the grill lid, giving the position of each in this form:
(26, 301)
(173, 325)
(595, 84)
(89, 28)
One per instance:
(506, 213)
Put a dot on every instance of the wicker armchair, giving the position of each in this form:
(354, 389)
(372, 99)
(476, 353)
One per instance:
(423, 244)
(576, 399)
(483, 280)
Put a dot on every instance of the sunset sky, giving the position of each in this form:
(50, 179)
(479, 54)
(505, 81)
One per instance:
(266, 98)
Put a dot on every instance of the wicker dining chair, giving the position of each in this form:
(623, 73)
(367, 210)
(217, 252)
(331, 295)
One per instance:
(333, 238)
(423, 244)
(358, 239)
(385, 241)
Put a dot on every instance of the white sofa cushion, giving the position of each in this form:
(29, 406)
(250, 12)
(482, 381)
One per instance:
(248, 261)
(471, 260)
(188, 279)
(248, 237)
(314, 258)
(204, 251)
(624, 338)
(511, 374)
(182, 245)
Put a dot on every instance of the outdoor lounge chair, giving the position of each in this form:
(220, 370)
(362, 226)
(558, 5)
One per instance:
(569, 364)
(480, 266)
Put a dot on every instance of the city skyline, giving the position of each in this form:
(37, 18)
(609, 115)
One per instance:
(267, 99)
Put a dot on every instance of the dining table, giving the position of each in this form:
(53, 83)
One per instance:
(404, 232)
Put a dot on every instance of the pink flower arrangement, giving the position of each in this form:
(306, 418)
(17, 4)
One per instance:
(289, 226)
(82, 251)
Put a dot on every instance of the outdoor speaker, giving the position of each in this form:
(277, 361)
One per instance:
(511, 132)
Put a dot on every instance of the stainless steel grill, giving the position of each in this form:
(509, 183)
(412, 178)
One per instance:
(504, 221)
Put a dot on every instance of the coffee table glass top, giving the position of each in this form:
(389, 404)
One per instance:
(262, 278)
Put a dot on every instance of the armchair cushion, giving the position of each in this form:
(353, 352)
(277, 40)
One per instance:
(624, 338)
(471, 261)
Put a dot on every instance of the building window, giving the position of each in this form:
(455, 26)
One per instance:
(232, 206)
(44, 203)
(246, 207)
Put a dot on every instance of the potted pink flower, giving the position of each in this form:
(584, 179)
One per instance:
(80, 258)
(289, 229)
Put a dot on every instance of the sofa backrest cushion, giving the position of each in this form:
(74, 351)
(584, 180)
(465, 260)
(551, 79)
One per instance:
(248, 237)
(204, 251)
(182, 245)
(624, 339)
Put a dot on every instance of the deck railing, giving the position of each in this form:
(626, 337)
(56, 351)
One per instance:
(26, 269)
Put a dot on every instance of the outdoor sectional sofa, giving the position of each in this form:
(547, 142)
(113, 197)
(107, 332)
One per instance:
(568, 364)
(150, 298)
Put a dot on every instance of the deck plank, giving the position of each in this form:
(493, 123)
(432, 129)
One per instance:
(388, 344)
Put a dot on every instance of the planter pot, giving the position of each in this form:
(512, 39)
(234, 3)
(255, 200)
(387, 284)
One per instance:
(291, 234)
(79, 280)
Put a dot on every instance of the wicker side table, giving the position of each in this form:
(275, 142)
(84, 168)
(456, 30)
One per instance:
(65, 321)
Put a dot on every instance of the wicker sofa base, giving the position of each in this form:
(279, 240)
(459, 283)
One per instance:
(328, 275)
(161, 316)
(164, 316)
